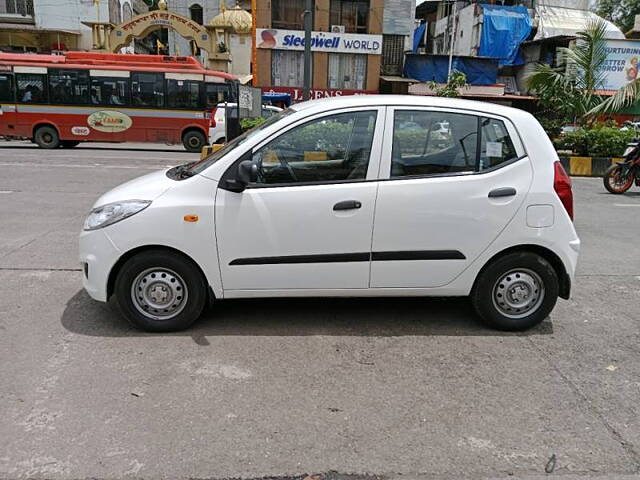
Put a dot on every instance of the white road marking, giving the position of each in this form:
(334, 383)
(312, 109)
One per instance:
(6, 191)
(66, 165)
(627, 204)
(176, 159)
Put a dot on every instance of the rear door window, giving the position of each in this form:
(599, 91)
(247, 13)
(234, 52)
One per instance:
(431, 142)
(496, 145)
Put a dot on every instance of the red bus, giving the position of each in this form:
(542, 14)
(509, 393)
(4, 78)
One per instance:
(62, 100)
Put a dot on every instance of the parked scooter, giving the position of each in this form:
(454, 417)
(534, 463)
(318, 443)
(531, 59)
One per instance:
(619, 177)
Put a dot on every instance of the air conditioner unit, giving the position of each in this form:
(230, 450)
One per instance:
(337, 28)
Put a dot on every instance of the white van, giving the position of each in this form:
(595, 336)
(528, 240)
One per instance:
(351, 196)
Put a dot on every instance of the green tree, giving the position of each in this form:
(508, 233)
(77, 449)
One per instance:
(456, 81)
(569, 93)
(620, 12)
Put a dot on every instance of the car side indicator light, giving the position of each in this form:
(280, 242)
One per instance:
(191, 218)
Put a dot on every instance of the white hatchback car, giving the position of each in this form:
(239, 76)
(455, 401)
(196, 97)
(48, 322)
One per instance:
(352, 196)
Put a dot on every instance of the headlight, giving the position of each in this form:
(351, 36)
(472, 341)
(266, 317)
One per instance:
(111, 213)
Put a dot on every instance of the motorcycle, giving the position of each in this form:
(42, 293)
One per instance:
(619, 177)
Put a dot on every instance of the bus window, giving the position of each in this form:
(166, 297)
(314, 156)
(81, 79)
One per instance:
(183, 94)
(215, 94)
(6, 89)
(69, 87)
(147, 89)
(32, 88)
(110, 91)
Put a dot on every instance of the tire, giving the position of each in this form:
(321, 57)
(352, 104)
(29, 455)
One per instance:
(69, 143)
(193, 141)
(611, 182)
(515, 292)
(170, 291)
(47, 137)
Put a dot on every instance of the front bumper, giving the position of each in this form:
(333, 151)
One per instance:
(98, 255)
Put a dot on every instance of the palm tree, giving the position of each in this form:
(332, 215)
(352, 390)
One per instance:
(572, 92)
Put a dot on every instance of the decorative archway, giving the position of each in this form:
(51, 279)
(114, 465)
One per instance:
(142, 25)
(111, 38)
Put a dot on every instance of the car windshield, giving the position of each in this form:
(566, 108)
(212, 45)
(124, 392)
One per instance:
(202, 165)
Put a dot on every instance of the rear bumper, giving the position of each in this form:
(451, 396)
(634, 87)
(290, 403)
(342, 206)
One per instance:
(570, 262)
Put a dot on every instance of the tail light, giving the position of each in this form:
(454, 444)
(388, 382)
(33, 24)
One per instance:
(562, 186)
(212, 118)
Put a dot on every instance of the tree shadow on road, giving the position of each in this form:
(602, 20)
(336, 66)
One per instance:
(367, 317)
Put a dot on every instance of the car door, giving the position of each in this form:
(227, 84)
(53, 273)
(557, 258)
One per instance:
(306, 223)
(454, 180)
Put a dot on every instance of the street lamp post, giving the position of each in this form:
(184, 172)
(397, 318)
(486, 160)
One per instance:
(308, 17)
(452, 37)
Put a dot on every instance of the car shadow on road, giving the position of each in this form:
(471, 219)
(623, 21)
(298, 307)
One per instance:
(367, 317)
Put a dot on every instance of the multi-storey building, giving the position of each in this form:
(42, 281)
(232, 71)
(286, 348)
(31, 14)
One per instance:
(45, 25)
(352, 42)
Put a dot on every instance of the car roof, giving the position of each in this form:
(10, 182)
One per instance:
(324, 104)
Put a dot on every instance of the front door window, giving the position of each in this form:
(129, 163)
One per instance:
(335, 148)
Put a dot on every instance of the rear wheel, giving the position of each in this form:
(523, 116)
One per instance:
(159, 291)
(69, 143)
(47, 137)
(516, 292)
(615, 181)
(193, 141)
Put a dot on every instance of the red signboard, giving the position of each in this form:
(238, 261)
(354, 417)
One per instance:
(296, 92)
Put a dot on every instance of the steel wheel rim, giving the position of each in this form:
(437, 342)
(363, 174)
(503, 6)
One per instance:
(159, 293)
(518, 293)
(194, 141)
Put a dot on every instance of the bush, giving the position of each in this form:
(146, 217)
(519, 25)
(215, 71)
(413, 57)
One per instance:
(598, 141)
(249, 123)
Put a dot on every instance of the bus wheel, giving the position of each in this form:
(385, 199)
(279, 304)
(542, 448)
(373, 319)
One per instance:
(47, 137)
(193, 141)
(69, 143)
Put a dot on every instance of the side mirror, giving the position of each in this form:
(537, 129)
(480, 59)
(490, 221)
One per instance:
(247, 172)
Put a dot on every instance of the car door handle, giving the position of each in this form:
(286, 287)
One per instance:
(347, 205)
(502, 192)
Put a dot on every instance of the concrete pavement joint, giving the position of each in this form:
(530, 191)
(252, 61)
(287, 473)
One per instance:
(626, 446)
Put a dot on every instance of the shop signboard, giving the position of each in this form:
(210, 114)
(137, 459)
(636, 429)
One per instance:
(268, 38)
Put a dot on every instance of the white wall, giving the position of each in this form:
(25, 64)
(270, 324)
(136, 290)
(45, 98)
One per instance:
(240, 54)
(68, 15)
(464, 33)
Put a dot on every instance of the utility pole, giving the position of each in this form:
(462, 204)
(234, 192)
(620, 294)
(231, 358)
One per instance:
(308, 18)
(452, 39)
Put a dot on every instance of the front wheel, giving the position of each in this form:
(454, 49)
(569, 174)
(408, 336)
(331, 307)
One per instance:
(160, 291)
(615, 181)
(193, 141)
(516, 292)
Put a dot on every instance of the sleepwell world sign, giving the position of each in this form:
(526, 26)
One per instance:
(320, 41)
(621, 66)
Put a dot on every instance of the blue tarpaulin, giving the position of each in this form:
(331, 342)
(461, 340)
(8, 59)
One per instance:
(427, 68)
(418, 35)
(503, 30)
